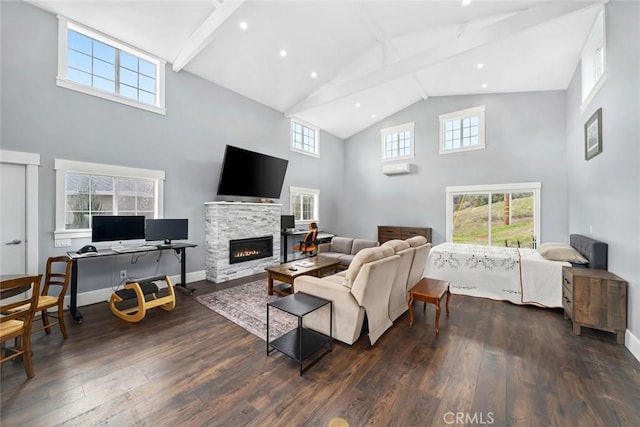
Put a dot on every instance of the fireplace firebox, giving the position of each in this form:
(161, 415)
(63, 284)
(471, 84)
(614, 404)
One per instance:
(242, 250)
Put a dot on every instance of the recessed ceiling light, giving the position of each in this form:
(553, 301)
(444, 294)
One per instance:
(466, 2)
(283, 53)
(357, 105)
(314, 74)
(373, 116)
(484, 85)
(243, 25)
(480, 66)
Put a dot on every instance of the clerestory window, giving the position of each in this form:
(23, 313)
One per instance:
(95, 64)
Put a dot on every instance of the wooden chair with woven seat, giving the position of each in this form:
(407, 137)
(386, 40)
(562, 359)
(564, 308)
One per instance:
(308, 245)
(17, 318)
(58, 274)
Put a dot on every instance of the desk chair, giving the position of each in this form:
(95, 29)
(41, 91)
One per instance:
(308, 245)
(17, 317)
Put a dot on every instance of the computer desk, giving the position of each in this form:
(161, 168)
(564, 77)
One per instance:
(180, 248)
(322, 237)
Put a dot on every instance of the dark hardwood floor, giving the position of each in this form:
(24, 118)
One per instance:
(494, 363)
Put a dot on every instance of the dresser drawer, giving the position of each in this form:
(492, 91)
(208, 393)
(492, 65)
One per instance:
(567, 302)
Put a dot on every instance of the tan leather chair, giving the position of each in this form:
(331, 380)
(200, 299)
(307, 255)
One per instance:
(17, 317)
(364, 287)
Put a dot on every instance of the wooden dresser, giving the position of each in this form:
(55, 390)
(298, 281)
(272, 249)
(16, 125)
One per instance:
(595, 299)
(391, 232)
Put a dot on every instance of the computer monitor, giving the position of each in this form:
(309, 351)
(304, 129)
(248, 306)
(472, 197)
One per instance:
(116, 229)
(287, 222)
(167, 229)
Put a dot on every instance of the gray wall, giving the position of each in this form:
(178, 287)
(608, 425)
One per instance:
(525, 141)
(188, 143)
(604, 192)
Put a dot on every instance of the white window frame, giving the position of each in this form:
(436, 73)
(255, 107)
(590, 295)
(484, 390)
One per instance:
(593, 61)
(461, 115)
(62, 167)
(533, 187)
(300, 191)
(65, 24)
(316, 132)
(405, 127)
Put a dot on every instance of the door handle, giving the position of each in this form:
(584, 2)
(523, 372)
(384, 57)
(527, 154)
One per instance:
(14, 242)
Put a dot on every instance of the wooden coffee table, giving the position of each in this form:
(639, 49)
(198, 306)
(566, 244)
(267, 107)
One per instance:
(288, 271)
(430, 291)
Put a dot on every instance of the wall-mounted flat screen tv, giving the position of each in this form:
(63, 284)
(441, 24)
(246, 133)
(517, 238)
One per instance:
(107, 228)
(251, 174)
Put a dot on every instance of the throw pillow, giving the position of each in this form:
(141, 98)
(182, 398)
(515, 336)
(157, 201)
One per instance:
(561, 252)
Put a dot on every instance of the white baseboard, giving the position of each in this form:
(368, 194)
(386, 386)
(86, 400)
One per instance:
(632, 343)
(102, 295)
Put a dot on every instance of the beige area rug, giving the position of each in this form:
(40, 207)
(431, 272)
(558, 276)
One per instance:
(246, 306)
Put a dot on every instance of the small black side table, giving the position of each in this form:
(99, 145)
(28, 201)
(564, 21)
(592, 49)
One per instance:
(300, 343)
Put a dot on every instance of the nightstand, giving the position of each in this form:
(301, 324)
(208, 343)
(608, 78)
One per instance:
(595, 299)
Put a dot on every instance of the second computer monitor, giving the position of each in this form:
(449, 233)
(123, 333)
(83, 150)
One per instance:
(167, 230)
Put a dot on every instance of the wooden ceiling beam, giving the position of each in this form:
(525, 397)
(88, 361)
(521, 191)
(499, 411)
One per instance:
(467, 41)
(203, 35)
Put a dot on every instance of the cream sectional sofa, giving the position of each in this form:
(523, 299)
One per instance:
(364, 287)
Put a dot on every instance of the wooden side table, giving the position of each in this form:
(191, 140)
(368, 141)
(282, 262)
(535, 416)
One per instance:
(429, 291)
(595, 299)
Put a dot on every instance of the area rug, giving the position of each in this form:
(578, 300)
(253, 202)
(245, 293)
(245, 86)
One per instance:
(246, 306)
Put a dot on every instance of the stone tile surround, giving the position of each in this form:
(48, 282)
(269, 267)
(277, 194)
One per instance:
(226, 221)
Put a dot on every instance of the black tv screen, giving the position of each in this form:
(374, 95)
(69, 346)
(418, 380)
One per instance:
(167, 229)
(105, 228)
(251, 174)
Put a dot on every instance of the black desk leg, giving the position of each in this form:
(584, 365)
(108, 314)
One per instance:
(73, 308)
(286, 246)
(183, 270)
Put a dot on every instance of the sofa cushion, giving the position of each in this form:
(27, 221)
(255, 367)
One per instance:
(341, 244)
(345, 259)
(397, 245)
(362, 257)
(332, 255)
(416, 241)
(359, 244)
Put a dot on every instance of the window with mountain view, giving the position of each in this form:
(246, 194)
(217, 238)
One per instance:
(506, 215)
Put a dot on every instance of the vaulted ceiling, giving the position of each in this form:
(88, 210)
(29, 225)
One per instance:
(349, 64)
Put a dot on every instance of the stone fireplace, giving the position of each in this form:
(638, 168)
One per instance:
(256, 226)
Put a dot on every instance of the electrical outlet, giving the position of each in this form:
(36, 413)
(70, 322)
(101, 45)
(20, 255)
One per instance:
(123, 274)
(62, 243)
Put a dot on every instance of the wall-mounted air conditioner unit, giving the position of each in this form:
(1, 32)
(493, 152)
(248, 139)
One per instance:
(396, 168)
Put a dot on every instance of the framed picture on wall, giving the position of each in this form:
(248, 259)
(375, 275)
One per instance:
(593, 135)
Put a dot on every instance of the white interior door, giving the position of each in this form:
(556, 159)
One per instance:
(12, 219)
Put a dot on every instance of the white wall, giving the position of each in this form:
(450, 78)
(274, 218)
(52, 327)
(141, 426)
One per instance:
(604, 192)
(525, 139)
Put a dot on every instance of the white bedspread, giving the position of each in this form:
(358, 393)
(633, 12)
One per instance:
(521, 276)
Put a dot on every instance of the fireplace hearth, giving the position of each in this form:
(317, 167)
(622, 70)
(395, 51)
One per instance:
(242, 250)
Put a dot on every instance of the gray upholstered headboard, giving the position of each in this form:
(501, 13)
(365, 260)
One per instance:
(593, 250)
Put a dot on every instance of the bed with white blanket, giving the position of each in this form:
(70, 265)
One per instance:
(518, 275)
